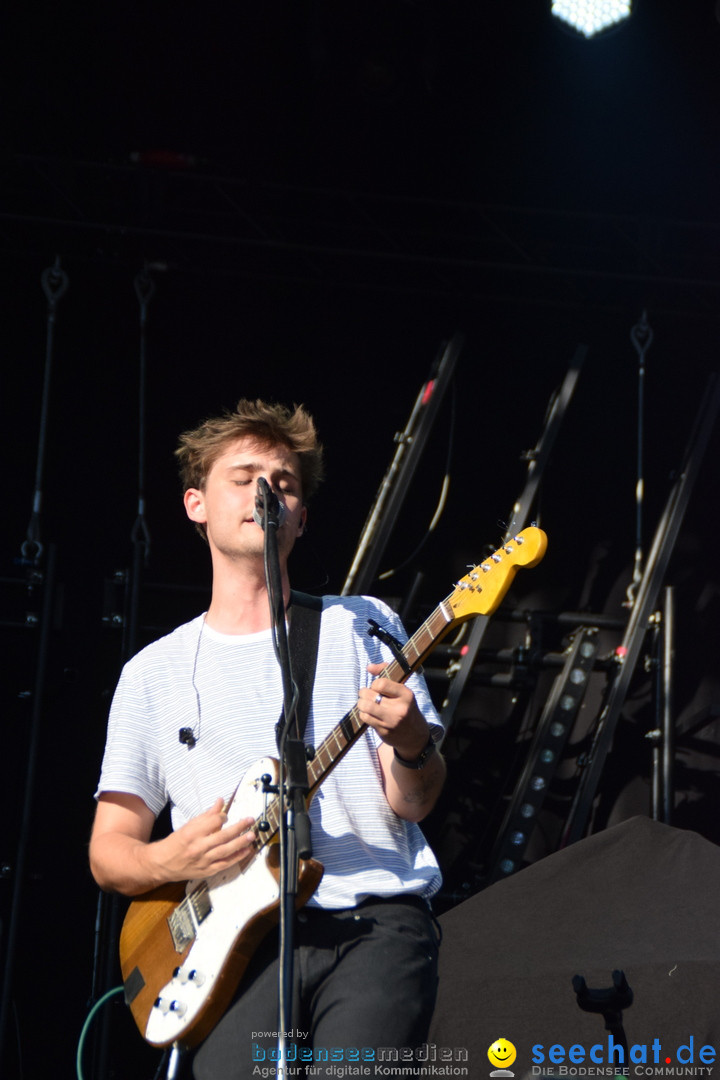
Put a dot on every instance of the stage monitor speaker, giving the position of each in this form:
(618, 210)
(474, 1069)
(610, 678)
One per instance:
(640, 897)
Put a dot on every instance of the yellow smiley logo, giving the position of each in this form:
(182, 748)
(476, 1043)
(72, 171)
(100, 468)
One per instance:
(502, 1053)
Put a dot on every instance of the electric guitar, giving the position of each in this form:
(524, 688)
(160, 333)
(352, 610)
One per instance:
(185, 946)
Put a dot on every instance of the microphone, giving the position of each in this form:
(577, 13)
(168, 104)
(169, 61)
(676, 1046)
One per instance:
(186, 736)
(275, 509)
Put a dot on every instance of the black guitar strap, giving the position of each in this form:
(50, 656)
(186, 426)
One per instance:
(303, 638)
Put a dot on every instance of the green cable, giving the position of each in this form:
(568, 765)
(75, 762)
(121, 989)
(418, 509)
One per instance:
(90, 1016)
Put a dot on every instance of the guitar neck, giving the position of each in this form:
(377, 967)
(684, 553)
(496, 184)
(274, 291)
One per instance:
(335, 745)
(346, 733)
(477, 593)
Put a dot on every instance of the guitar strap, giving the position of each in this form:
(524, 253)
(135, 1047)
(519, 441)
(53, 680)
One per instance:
(303, 639)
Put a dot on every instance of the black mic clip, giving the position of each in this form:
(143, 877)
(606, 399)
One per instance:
(392, 643)
(186, 736)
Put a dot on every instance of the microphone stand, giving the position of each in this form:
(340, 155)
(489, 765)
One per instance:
(293, 784)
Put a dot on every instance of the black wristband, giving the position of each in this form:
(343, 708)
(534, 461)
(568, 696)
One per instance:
(420, 761)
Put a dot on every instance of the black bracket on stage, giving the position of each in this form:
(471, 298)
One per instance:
(537, 460)
(609, 1002)
(392, 643)
(655, 569)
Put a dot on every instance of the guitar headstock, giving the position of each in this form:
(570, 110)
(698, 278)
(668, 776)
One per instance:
(481, 591)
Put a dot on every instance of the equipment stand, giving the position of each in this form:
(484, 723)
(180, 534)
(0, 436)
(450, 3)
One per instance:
(537, 460)
(652, 578)
(54, 283)
(395, 484)
(293, 781)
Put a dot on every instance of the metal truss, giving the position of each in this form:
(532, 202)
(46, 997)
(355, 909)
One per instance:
(176, 215)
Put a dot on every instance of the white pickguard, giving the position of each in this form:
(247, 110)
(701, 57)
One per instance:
(236, 896)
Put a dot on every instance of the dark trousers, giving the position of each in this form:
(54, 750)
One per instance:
(364, 990)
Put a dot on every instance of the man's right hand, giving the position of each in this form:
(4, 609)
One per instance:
(205, 845)
(124, 859)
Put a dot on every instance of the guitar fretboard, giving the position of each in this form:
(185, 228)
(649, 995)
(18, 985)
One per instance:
(335, 745)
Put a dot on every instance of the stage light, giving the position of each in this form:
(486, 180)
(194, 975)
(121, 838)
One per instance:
(590, 17)
(545, 754)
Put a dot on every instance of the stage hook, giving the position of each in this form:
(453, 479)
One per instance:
(641, 336)
(144, 289)
(54, 283)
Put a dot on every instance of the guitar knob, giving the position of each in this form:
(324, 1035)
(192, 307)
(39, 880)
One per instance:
(196, 977)
(165, 1006)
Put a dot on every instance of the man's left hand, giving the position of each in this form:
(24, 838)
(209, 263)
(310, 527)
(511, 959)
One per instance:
(390, 708)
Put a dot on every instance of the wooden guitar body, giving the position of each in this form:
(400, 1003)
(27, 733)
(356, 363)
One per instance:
(184, 947)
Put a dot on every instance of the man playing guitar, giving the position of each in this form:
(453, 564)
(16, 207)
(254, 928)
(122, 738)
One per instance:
(194, 710)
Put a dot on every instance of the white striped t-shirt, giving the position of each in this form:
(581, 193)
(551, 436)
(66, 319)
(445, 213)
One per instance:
(227, 688)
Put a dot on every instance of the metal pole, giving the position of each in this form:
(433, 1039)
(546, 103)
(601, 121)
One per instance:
(19, 870)
(668, 721)
(655, 569)
(54, 283)
(109, 906)
(394, 487)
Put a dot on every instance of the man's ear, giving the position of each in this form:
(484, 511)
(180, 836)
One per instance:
(194, 503)
(302, 526)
